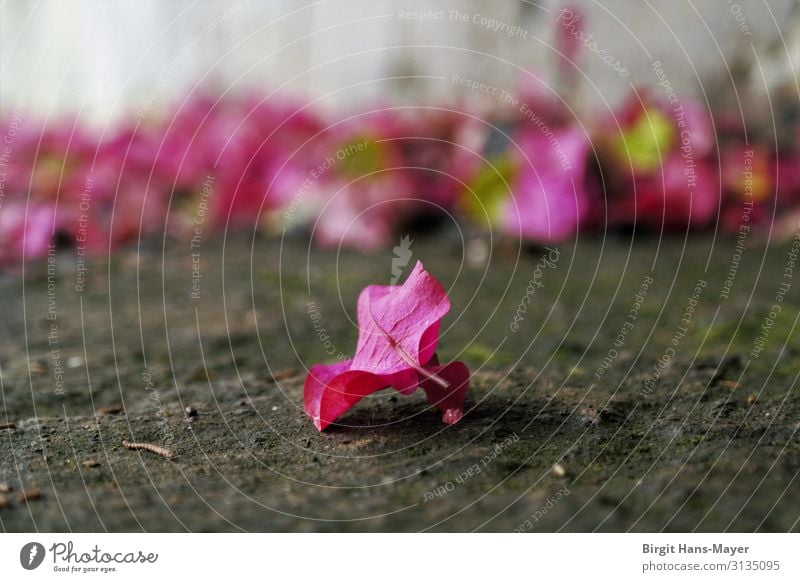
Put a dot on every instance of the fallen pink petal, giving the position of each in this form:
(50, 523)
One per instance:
(397, 339)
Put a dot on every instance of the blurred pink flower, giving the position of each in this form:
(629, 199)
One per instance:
(266, 155)
(658, 163)
(569, 37)
(390, 168)
(668, 199)
(26, 231)
(760, 186)
(368, 191)
(550, 196)
(44, 158)
(267, 161)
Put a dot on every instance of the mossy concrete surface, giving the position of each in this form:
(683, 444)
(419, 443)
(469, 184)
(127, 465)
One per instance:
(617, 385)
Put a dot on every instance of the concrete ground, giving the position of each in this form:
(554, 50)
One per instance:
(646, 386)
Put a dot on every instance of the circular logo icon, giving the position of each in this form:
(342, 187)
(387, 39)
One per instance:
(31, 555)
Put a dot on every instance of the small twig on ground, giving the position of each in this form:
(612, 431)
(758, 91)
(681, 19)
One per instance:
(158, 450)
(105, 410)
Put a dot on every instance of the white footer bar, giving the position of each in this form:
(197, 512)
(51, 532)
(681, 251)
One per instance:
(400, 557)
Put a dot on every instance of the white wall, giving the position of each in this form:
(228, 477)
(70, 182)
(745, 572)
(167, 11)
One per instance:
(103, 58)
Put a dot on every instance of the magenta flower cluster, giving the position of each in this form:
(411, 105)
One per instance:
(528, 170)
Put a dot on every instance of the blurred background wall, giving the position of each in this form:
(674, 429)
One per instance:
(102, 59)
